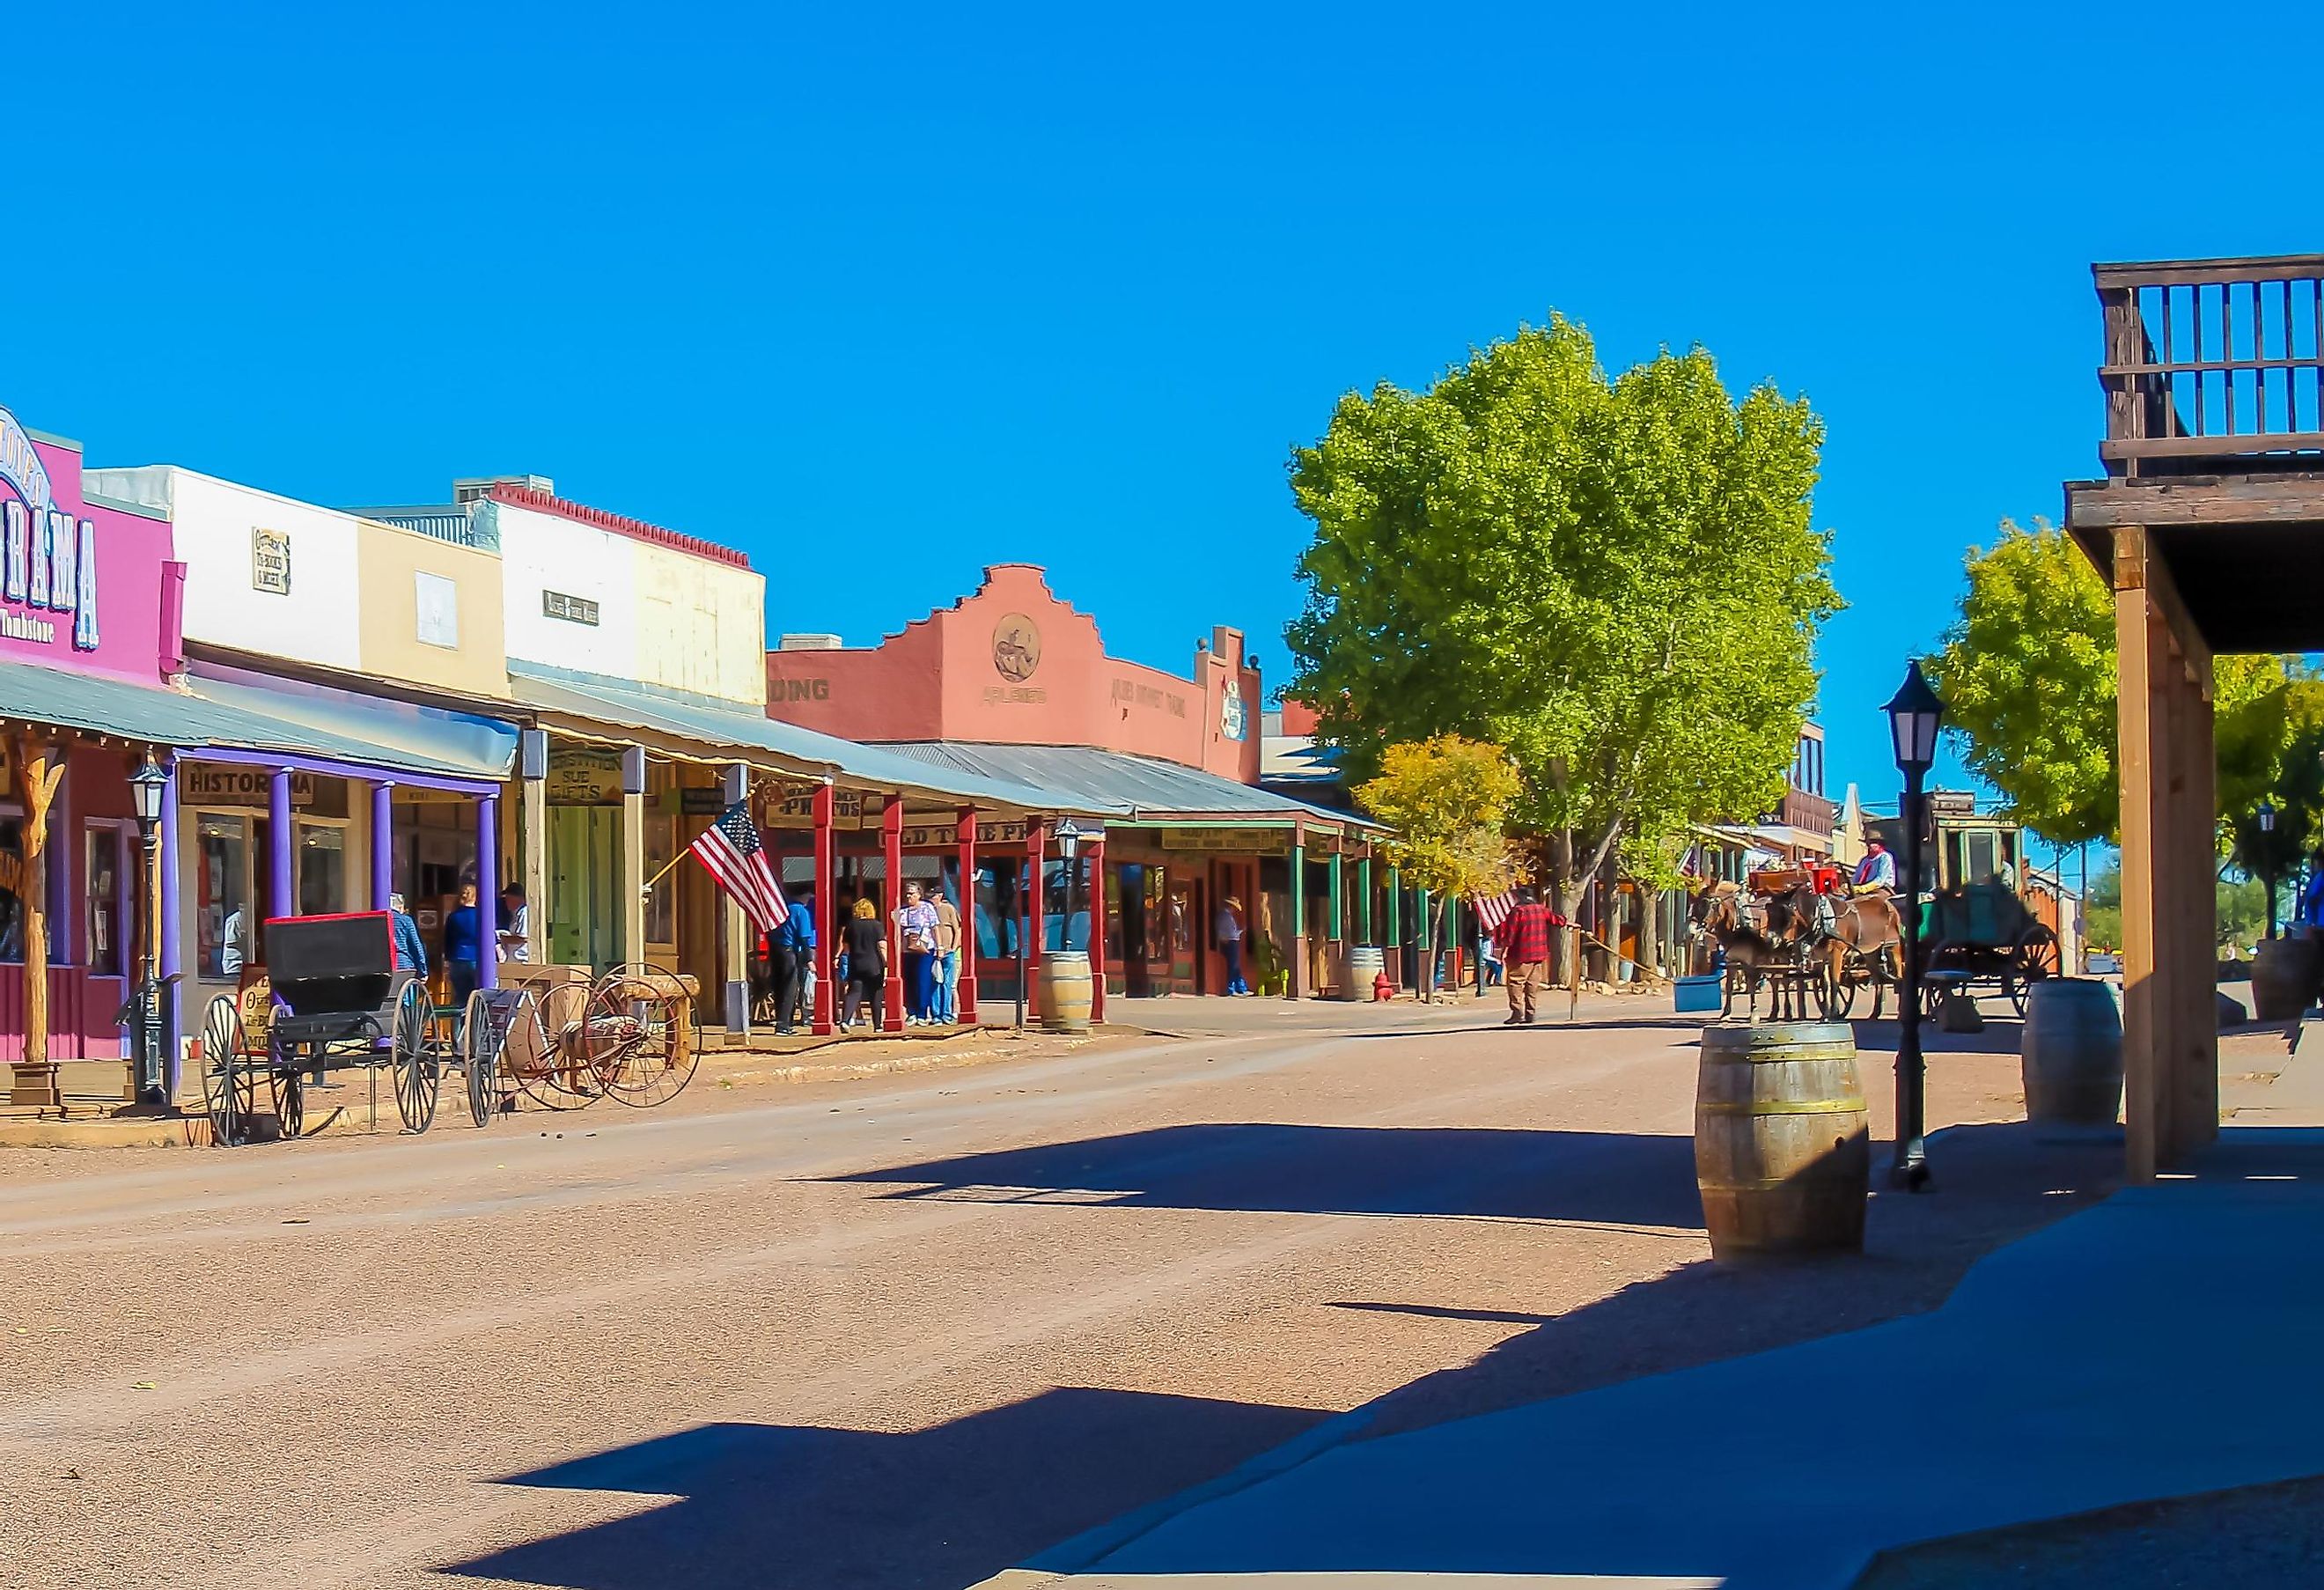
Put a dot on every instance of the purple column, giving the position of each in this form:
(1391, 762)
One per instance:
(65, 947)
(173, 941)
(488, 888)
(383, 844)
(281, 897)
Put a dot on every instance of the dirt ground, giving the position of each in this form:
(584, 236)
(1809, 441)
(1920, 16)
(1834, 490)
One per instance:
(899, 1332)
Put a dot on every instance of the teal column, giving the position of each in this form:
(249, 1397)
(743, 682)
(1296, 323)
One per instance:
(1428, 978)
(1339, 904)
(1396, 908)
(1297, 988)
(1364, 893)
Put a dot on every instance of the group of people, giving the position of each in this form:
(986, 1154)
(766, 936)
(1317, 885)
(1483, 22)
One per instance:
(464, 937)
(926, 932)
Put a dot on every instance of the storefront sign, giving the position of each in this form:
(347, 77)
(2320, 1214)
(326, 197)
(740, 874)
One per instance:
(850, 809)
(222, 783)
(1229, 841)
(942, 836)
(694, 800)
(584, 776)
(1130, 693)
(571, 609)
(1233, 721)
(48, 567)
(270, 562)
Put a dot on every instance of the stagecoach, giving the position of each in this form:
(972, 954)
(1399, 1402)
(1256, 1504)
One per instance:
(1977, 929)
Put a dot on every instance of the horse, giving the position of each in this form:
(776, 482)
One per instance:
(1865, 927)
(1752, 957)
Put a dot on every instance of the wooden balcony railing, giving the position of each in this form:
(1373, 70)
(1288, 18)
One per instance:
(2213, 364)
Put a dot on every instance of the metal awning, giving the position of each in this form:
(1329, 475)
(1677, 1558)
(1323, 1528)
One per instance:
(734, 733)
(1140, 788)
(222, 719)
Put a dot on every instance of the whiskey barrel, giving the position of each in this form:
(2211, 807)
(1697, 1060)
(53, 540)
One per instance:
(2282, 979)
(1062, 991)
(2071, 1054)
(1365, 963)
(1782, 1151)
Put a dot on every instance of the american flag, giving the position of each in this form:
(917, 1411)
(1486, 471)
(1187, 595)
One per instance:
(730, 848)
(1492, 910)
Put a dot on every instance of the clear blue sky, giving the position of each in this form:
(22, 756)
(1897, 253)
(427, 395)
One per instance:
(882, 296)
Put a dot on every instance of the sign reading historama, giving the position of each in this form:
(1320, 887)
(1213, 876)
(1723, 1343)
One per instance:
(48, 559)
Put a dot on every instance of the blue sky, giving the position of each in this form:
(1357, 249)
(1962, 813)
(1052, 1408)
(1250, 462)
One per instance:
(881, 297)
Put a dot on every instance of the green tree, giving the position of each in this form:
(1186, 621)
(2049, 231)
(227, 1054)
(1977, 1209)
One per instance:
(2027, 675)
(1446, 800)
(1615, 579)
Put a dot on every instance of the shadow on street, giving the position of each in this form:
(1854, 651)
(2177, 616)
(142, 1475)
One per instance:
(1623, 1177)
(774, 1507)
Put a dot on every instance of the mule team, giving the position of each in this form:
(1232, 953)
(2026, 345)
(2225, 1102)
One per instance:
(1801, 931)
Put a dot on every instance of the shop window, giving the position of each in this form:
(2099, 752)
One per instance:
(106, 891)
(1059, 931)
(11, 889)
(996, 909)
(222, 894)
(322, 874)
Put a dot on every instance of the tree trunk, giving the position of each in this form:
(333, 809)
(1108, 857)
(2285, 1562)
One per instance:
(1650, 931)
(40, 767)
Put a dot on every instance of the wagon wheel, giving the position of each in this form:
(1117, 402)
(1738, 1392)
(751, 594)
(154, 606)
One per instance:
(2033, 958)
(229, 1076)
(290, 1101)
(417, 1072)
(480, 1056)
(639, 1037)
(538, 1058)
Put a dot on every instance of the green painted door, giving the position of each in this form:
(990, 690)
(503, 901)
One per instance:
(584, 928)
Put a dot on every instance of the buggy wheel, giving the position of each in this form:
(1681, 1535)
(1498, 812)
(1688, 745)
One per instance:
(229, 1077)
(480, 1058)
(417, 1074)
(290, 1091)
(2033, 958)
(639, 1039)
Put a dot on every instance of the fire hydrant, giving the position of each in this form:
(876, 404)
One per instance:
(1383, 990)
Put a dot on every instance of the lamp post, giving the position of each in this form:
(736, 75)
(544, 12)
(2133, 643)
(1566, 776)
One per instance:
(1068, 835)
(146, 786)
(2267, 858)
(1913, 714)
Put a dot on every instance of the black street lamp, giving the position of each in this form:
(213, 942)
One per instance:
(2267, 858)
(1068, 836)
(146, 787)
(1913, 714)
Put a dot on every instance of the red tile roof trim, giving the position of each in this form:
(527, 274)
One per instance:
(518, 496)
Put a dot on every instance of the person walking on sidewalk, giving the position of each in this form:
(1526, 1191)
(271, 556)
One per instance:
(1229, 932)
(1523, 939)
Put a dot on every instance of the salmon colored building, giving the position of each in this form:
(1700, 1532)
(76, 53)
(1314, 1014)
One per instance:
(1014, 682)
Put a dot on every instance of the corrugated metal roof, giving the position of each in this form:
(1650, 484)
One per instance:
(392, 733)
(1146, 786)
(736, 732)
(237, 719)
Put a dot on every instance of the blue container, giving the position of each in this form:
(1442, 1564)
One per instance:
(1696, 994)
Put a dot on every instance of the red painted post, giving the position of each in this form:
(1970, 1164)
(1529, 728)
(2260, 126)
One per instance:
(826, 916)
(1096, 849)
(1037, 851)
(967, 902)
(891, 851)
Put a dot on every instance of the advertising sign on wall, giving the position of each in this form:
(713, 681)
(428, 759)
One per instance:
(270, 560)
(580, 775)
(48, 565)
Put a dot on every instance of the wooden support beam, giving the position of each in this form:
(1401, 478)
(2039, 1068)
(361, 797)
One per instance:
(2207, 501)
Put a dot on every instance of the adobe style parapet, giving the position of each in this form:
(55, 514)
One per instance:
(1015, 664)
(539, 502)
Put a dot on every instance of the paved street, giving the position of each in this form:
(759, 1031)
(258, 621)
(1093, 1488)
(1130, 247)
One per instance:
(895, 1332)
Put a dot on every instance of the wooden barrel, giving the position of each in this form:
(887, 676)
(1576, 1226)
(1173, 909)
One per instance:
(2284, 978)
(1782, 1151)
(2071, 1053)
(1365, 963)
(1063, 986)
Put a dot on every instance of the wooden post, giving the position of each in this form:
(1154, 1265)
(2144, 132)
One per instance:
(39, 768)
(965, 836)
(1036, 853)
(891, 853)
(827, 909)
(1298, 957)
(632, 873)
(1095, 851)
(532, 861)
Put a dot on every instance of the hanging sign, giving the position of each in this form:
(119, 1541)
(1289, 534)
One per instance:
(582, 775)
(226, 783)
(1230, 841)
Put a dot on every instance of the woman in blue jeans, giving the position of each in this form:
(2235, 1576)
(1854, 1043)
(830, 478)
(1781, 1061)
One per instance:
(916, 925)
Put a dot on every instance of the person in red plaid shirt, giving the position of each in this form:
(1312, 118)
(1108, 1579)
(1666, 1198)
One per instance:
(1524, 941)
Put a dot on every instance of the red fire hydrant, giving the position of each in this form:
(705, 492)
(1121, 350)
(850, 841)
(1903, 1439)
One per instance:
(1383, 990)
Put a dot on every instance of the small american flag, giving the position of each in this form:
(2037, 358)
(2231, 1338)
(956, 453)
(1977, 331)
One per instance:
(730, 848)
(1492, 910)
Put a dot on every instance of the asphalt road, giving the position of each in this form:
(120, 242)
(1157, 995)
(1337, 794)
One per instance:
(883, 1334)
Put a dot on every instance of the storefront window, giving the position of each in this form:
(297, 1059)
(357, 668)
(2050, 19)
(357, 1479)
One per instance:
(661, 900)
(11, 889)
(996, 910)
(108, 952)
(1057, 931)
(223, 894)
(322, 869)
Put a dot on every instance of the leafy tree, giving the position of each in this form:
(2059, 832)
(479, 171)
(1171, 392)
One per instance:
(2027, 675)
(1447, 799)
(1615, 579)
(2296, 791)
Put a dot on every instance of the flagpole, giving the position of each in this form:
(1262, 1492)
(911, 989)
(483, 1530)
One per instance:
(647, 887)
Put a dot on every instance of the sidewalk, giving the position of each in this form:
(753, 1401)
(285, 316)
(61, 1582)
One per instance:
(2106, 1359)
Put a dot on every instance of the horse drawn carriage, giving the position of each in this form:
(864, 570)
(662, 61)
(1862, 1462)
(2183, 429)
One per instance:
(1801, 933)
(331, 998)
(1976, 930)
